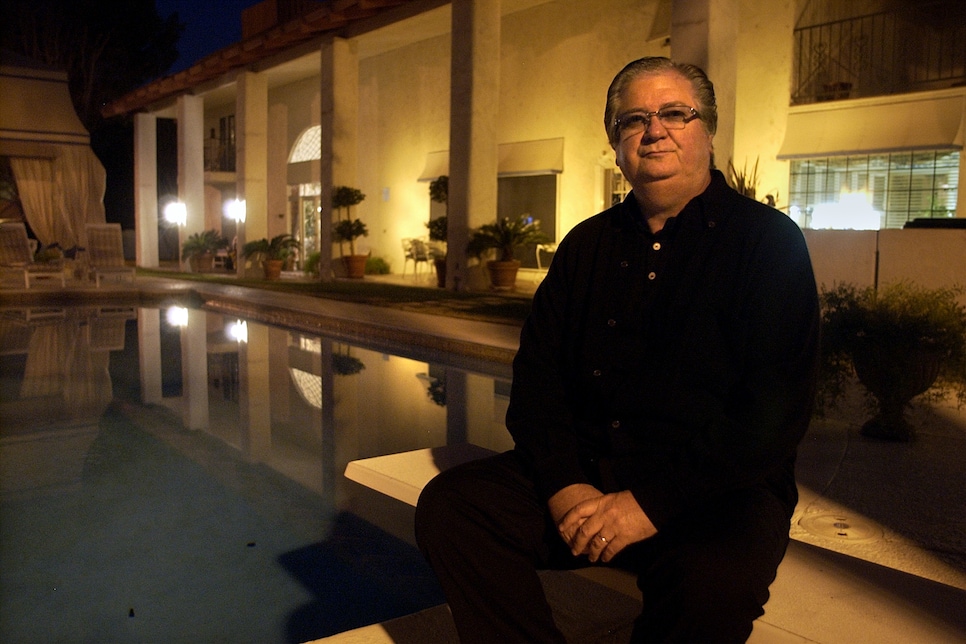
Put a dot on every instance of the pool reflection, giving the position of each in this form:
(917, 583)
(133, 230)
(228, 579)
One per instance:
(178, 469)
(307, 405)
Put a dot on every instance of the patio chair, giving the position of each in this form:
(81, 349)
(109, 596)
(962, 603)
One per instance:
(105, 252)
(419, 252)
(16, 258)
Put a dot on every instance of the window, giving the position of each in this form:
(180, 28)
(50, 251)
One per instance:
(308, 147)
(534, 195)
(873, 191)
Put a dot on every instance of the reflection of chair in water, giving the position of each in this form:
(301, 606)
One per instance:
(106, 328)
(415, 251)
(15, 257)
(105, 252)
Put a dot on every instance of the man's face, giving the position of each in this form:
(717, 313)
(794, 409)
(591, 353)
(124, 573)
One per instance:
(683, 156)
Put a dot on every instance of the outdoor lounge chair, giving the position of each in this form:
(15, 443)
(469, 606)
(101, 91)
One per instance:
(105, 252)
(15, 257)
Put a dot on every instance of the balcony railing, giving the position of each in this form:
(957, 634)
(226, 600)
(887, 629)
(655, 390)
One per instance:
(219, 155)
(915, 48)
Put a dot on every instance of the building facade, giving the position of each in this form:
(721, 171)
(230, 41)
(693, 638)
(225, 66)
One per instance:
(847, 115)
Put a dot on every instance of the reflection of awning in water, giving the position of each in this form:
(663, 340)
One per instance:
(923, 121)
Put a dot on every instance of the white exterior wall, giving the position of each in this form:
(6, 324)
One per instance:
(557, 59)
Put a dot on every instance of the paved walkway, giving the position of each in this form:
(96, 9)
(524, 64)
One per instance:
(879, 550)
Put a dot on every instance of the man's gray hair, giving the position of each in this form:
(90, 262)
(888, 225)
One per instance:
(703, 90)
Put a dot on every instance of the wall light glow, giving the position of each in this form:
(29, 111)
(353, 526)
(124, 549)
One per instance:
(177, 316)
(235, 210)
(176, 213)
(853, 211)
(238, 331)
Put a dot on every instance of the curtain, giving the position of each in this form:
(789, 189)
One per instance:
(61, 195)
(41, 200)
(82, 181)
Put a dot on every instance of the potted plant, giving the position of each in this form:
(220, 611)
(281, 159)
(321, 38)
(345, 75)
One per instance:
(505, 236)
(348, 229)
(439, 193)
(437, 248)
(900, 341)
(271, 253)
(200, 248)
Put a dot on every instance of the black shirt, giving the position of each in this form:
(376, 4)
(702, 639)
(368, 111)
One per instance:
(685, 360)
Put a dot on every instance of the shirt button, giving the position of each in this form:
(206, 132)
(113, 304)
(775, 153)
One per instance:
(652, 275)
(625, 264)
(615, 424)
(596, 373)
(656, 246)
(710, 224)
(612, 322)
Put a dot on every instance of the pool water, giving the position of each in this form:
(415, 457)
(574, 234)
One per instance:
(178, 477)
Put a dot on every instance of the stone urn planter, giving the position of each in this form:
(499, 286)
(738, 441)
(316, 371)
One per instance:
(893, 376)
(901, 341)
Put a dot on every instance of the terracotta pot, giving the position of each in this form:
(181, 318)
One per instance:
(272, 268)
(503, 275)
(894, 376)
(355, 266)
(202, 263)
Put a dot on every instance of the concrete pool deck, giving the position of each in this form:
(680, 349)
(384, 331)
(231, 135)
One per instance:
(879, 540)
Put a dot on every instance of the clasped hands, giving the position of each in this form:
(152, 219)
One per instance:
(596, 524)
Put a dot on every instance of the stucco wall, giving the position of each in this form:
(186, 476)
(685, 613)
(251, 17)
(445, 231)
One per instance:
(930, 258)
(403, 115)
(557, 61)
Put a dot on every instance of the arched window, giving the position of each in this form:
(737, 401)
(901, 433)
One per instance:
(308, 147)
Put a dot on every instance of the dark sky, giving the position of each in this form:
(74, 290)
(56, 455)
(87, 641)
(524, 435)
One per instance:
(210, 25)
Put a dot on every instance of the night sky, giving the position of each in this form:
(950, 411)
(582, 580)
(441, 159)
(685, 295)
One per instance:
(210, 25)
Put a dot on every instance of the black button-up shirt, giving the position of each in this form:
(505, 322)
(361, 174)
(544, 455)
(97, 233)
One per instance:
(685, 360)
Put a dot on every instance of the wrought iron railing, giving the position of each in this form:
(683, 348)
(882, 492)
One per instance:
(911, 49)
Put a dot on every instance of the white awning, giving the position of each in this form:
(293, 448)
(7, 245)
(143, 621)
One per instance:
(437, 164)
(924, 121)
(525, 158)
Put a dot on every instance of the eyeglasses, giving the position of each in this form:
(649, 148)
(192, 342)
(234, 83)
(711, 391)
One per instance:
(673, 117)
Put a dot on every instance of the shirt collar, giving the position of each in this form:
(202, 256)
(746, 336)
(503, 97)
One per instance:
(704, 211)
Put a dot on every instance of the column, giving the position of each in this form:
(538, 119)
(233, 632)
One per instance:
(146, 189)
(251, 157)
(255, 394)
(194, 371)
(340, 128)
(149, 355)
(191, 161)
(744, 46)
(474, 116)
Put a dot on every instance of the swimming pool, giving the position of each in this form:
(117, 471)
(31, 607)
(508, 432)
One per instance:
(176, 474)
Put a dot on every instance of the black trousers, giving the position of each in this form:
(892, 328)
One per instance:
(486, 533)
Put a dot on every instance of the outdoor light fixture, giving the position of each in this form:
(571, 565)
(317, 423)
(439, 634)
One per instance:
(177, 316)
(176, 213)
(238, 331)
(236, 210)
